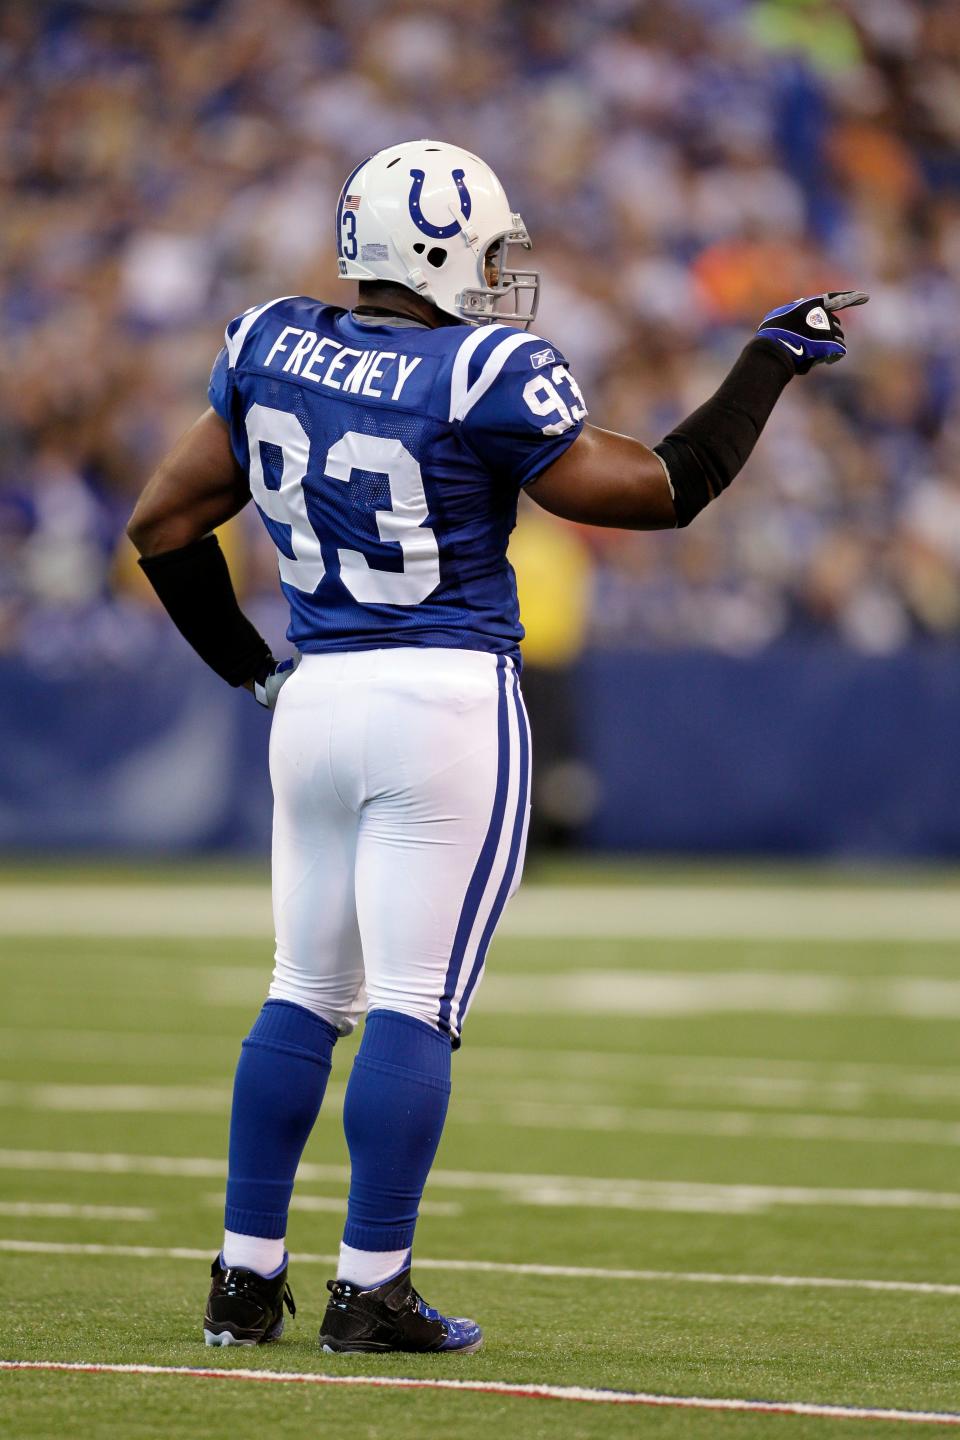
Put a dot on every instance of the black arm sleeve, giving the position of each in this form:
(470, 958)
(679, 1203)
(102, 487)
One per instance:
(705, 451)
(196, 591)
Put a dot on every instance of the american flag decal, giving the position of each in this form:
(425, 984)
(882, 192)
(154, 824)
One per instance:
(351, 202)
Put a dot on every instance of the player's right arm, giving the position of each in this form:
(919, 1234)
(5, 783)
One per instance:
(195, 488)
(198, 486)
(608, 479)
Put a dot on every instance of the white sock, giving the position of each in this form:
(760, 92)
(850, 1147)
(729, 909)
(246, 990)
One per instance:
(251, 1252)
(367, 1268)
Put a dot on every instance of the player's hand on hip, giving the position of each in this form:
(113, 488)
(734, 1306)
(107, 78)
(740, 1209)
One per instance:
(266, 688)
(809, 328)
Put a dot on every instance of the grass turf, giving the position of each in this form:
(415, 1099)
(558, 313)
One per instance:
(127, 1046)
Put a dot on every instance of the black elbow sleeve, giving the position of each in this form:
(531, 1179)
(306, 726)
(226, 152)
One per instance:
(194, 586)
(704, 452)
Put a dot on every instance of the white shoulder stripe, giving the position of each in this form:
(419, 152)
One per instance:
(494, 363)
(461, 365)
(236, 341)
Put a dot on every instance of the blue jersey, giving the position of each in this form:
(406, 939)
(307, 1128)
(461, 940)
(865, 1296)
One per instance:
(386, 461)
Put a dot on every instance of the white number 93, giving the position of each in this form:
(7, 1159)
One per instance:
(542, 397)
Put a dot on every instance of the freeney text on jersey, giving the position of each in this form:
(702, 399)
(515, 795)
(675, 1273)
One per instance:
(356, 372)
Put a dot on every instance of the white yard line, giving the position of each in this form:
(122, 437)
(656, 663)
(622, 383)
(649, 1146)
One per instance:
(576, 1393)
(84, 1162)
(568, 1190)
(56, 1210)
(651, 993)
(643, 911)
(102, 1045)
(895, 1076)
(497, 1267)
(330, 1204)
(115, 1099)
(737, 912)
(211, 1099)
(719, 1199)
(720, 1124)
(112, 1047)
(764, 1081)
(768, 1082)
(660, 993)
(523, 1112)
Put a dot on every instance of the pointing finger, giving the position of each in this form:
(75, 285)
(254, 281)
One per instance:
(841, 299)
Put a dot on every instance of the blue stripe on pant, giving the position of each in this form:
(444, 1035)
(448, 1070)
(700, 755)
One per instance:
(506, 883)
(487, 876)
(488, 851)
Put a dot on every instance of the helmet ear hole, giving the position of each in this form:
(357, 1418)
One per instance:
(419, 247)
(436, 256)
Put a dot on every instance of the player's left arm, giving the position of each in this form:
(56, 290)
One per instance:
(608, 479)
(197, 487)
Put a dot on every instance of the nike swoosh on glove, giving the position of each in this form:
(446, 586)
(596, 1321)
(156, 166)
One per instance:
(809, 328)
(266, 688)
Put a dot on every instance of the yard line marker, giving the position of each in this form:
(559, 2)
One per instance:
(766, 1081)
(118, 1099)
(676, 992)
(504, 1387)
(680, 992)
(503, 1267)
(739, 1124)
(572, 1190)
(333, 1205)
(55, 1210)
(83, 1045)
(908, 913)
(125, 1252)
(129, 1099)
(539, 1111)
(83, 1162)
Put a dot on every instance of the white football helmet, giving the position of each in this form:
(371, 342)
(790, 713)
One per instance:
(427, 215)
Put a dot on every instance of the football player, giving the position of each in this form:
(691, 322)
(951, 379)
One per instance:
(385, 447)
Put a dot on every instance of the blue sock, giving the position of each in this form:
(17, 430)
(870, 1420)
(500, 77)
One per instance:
(393, 1116)
(281, 1076)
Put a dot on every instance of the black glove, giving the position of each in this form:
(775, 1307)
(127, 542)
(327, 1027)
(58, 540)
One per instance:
(267, 686)
(809, 328)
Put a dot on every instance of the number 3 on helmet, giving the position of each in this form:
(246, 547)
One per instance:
(435, 218)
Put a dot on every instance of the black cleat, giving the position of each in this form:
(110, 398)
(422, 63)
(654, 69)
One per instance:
(391, 1316)
(245, 1309)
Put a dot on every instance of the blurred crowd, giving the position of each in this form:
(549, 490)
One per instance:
(682, 165)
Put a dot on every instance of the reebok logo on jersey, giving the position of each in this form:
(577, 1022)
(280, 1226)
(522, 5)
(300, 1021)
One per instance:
(539, 358)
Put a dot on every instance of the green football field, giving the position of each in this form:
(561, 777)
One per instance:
(703, 1143)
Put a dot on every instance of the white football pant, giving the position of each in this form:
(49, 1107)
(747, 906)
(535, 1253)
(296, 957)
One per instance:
(401, 783)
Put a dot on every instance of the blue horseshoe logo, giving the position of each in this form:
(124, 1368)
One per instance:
(438, 232)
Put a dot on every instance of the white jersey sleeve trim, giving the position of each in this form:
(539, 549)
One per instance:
(461, 364)
(236, 341)
(494, 363)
